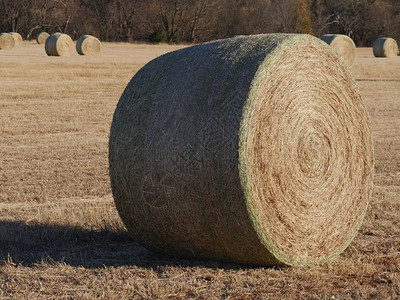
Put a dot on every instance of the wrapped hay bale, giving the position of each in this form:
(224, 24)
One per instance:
(41, 38)
(6, 41)
(385, 47)
(255, 149)
(59, 44)
(343, 45)
(17, 38)
(88, 45)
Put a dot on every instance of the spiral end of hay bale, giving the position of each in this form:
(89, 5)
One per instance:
(17, 38)
(307, 173)
(88, 45)
(385, 47)
(6, 41)
(253, 149)
(59, 44)
(343, 45)
(41, 38)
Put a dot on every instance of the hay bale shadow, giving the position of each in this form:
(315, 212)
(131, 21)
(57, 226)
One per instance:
(28, 245)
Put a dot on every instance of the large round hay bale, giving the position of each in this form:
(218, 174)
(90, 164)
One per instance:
(343, 45)
(6, 41)
(41, 38)
(385, 47)
(255, 149)
(59, 45)
(88, 45)
(17, 38)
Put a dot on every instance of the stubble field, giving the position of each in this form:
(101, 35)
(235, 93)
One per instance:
(61, 237)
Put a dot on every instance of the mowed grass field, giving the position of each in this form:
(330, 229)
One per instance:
(60, 234)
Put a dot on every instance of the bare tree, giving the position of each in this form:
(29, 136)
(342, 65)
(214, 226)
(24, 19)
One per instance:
(100, 11)
(321, 20)
(199, 9)
(284, 13)
(173, 16)
(12, 12)
(202, 20)
(126, 11)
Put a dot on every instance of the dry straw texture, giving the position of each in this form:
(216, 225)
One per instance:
(6, 41)
(88, 45)
(343, 45)
(385, 47)
(59, 44)
(17, 38)
(253, 149)
(41, 38)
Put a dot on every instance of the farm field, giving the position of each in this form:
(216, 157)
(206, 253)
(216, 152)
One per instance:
(61, 236)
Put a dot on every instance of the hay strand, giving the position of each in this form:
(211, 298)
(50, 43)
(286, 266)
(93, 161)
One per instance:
(17, 38)
(385, 47)
(6, 41)
(255, 149)
(59, 45)
(88, 45)
(41, 38)
(343, 45)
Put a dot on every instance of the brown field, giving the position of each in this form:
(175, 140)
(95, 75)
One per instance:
(61, 237)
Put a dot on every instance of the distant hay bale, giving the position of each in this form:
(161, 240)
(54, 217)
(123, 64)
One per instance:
(385, 47)
(88, 45)
(255, 149)
(17, 38)
(59, 45)
(6, 41)
(41, 38)
(343, 45)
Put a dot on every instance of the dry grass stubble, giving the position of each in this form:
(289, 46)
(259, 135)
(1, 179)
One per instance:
(59, 224)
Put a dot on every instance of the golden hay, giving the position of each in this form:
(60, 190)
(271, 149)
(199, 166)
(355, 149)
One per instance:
(17, 38)
(41, 38)
(88, 45)
(385, 47)
(255, 149)
(59, 44)
(6, 41)
(343, 45)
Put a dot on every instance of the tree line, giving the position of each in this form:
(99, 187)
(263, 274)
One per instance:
(193, 21)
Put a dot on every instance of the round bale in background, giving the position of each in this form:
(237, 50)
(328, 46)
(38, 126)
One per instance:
(254, 149)
(59, 44)
(6, 41)
(385, 47)
(41, 38)
(343, 45)
(88, 45)
(17, 38)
